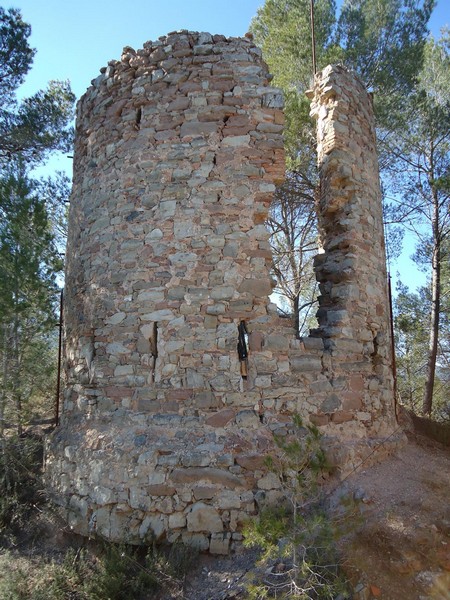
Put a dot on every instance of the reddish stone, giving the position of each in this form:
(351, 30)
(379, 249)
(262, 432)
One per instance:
(236, 443)
(375, 591)
(260, 218)
(215, 113)
(116, 108)
(319, 420)
(252, 462)
(180, 394)
(351, 401)
(255, 341)
(341, 416)
(224, 85)
(190, 86)
(161, 490)
(180, 103)
(117, 392)
(356, 383)
(380, 310)
(233, 101)
(221, 418)
(238, 125)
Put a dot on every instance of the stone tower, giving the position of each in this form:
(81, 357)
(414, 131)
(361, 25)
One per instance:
(179, 370)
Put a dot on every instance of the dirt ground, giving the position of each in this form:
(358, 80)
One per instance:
(401, 550)
(397, 548)
(396, 544)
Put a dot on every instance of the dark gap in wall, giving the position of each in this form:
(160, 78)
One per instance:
(242, 348)
(154, 347)
(138, 117)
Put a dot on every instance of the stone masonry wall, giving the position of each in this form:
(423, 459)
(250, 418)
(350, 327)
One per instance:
(165, 423)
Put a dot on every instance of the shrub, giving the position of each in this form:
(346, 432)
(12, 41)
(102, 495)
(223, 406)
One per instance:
(298, 555)
(21, 487)
(98, 571)
(106, 572)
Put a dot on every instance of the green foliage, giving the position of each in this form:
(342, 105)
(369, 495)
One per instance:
(411, 320)
(20, 482)
(38, 125)
(99, 571)
(383, 41)
(112, 572)
(29, 130)
(282, 29)
(298, 556)
(15, 54)
(29, 258)
(29, 263)
(410, 341)
(31, 225)
(417, 179)
(120, 574)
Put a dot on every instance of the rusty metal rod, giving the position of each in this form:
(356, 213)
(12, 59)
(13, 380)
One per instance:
(313, 38)
(58, 380)
(394, 364)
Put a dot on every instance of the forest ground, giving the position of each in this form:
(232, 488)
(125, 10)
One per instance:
(396, 545)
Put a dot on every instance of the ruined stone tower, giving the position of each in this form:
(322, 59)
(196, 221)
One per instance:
(178, 369)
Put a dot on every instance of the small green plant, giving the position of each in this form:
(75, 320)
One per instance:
(298, 556)
(106, 572)
(129, 573)
(21, 487)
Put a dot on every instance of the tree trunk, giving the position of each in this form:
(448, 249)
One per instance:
(16, 391)
(435, 311)
(3, 395)
(296, 309)
(15, 352)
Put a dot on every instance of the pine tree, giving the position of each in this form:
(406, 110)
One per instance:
(418, 178)
(383, 41)
(29, 258)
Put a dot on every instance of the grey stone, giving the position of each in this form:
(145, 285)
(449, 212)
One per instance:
(306, 363)
(331, 404)
(203, 518)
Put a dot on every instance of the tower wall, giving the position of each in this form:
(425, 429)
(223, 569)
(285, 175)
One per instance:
(179, 371)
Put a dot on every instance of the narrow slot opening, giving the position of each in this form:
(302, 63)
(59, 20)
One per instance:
(154, 347)
(138, 117)
(242, 348)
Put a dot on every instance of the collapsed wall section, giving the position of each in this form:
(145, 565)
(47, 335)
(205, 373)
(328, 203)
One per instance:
(179, 370)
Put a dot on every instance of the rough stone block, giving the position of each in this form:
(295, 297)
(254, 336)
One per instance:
(196, 474)
(222, 418)
(177, 521)
(219, 544)
(203, 518)
(306, 363)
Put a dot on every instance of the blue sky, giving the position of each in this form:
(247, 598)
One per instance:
(75, 38)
